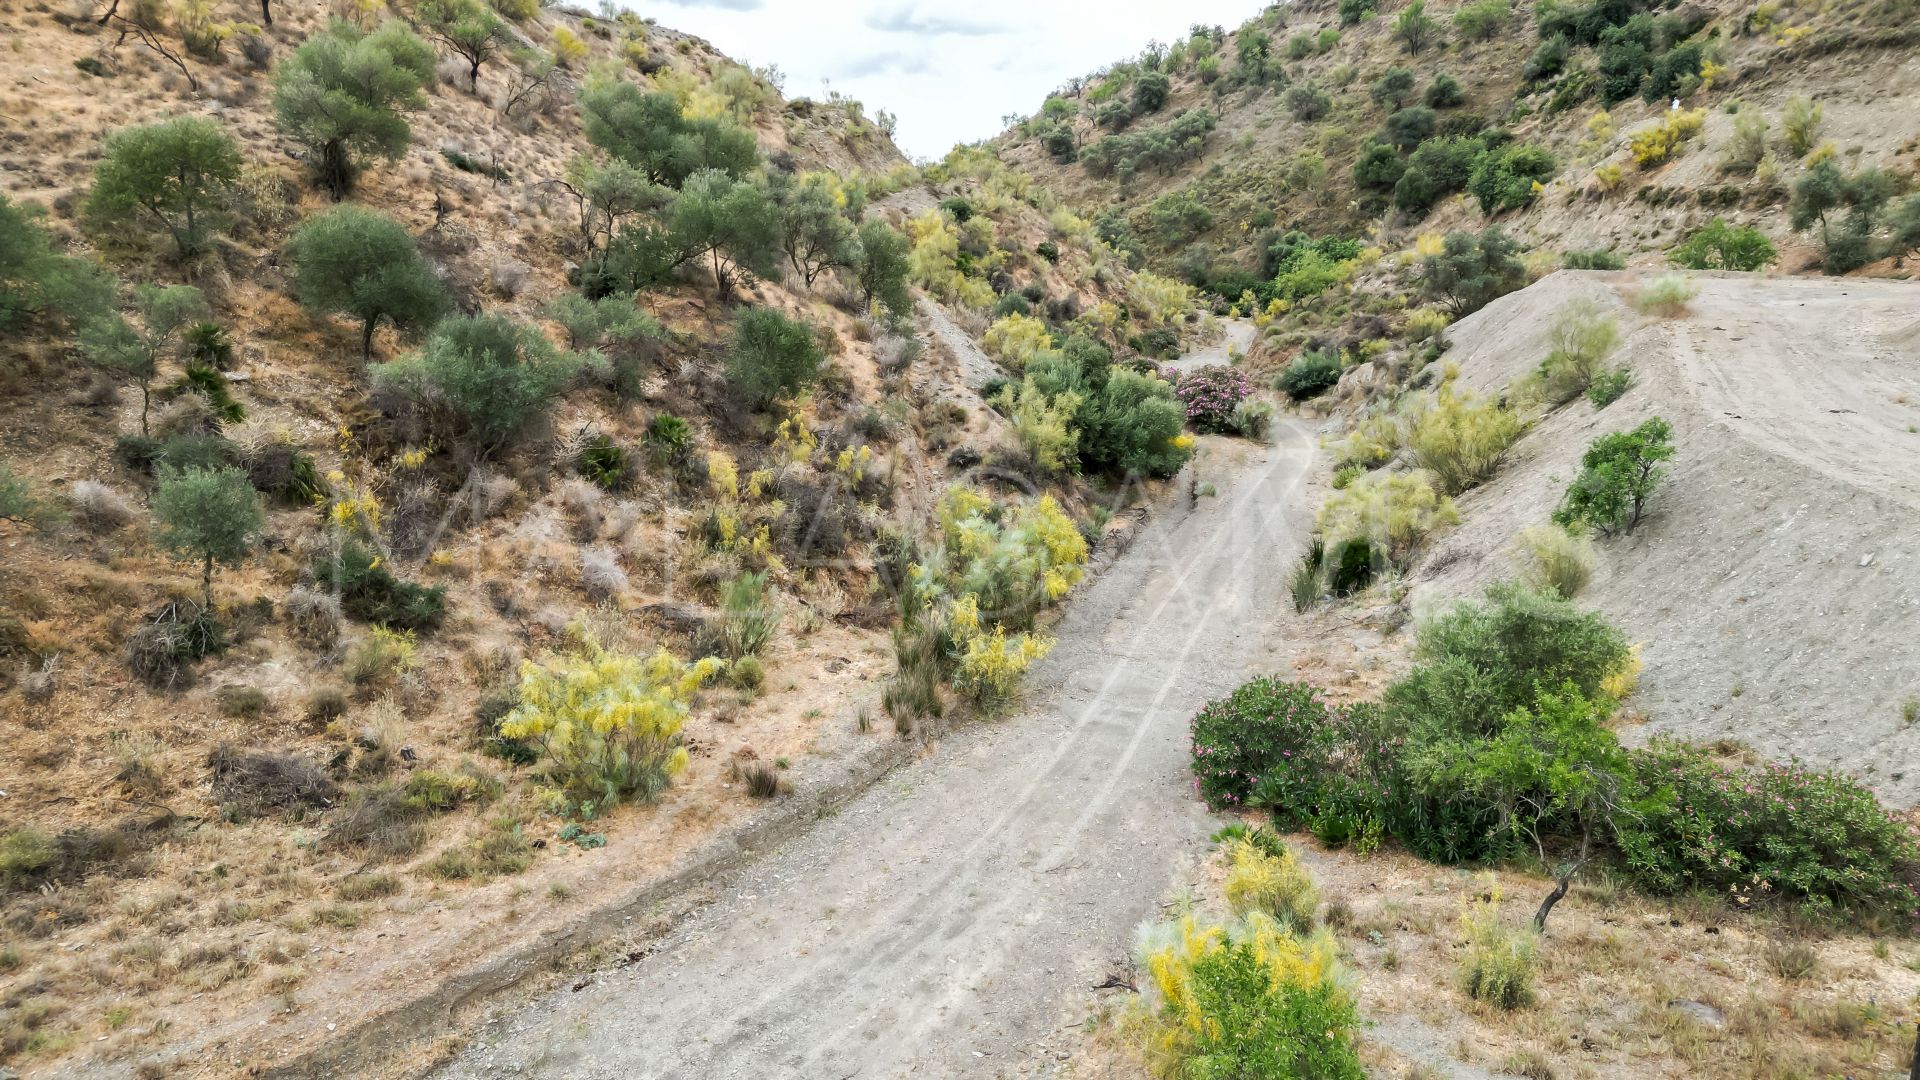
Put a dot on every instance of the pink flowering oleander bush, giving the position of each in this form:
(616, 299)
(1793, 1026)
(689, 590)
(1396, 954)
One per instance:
(1210, 395)
(1817, 839)
(1238, 740)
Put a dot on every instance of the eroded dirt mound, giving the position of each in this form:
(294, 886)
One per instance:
(1776, 584)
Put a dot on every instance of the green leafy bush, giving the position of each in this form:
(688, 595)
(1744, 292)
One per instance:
(1238, 740)
(1498, 966)
(1310, 374)
(1618, 473)
(772, 356)
(208, 516)
(370, 592)
(1602, 259)
(648, 130)
(1472, 270)
(477, 382)
(1720, 246)
(1608, 386)
(1510, 177)
(1815, 838)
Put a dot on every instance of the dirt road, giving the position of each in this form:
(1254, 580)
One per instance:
(951, 921)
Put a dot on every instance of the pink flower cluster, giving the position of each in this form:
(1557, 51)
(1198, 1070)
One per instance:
(1210, 395)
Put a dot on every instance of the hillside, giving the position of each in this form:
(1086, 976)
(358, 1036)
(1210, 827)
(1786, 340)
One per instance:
(237, 832)
(1295, 98)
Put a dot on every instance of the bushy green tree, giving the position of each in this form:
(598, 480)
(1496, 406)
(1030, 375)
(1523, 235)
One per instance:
(1905, 221)
(1472, 270)
(816, 236)
(135, 350)
(1436, 168)
(881, 269)
(1444, 92)
(1617, 475)
(1822, 191)
(606, 194)
(1150, 90)
(1353, 12)
(352, 261)
(1255, 51)
(1720, 246)
(1414, 26)
(1482, 20)
(1308, 102)
(176, 174)
(208, 516)
(38, 283)
(1394, 89)
(732, 221)
(1379, 166)
(341, 94)
(1409, 127)
(477, 381)
(469, 28)
(1509, 177)
(771, 356)
(614, 328)
(646, 130)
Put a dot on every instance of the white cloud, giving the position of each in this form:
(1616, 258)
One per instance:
(948, 71)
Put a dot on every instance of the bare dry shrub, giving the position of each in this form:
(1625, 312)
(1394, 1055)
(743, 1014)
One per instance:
(585, 506)
(600, 572)
(97, 508)
(314, 616)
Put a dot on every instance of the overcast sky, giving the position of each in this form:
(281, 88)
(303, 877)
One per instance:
(948, 70)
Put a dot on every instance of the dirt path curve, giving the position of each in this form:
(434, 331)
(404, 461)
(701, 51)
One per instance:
(951, 921)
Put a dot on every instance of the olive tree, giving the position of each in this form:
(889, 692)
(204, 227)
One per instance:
(208, 516)
(36, 282)
(341, 94)
(645, 129)
(477, 382)
(881, 267)
(469, 28)
(771, 355)
(817, 237)
(733, 222)
(352, 261)
(175, 174)
(135, 350)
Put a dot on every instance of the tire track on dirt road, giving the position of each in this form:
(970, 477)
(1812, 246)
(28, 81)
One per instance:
(950, 921)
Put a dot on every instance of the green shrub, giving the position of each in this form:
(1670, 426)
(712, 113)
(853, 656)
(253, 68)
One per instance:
(1129, 422)
(1720, 246)
(1444, 92)
(476, 383)
(469, 28)
(1603, 259)
(1498, 967)
(1355, 11)
(1462, 438)
(881, 268)
(1307, 102)
(176, 175)
(748, 618)
(648, 130)
(1510, 177)
(732, 222)
(1618, 473)
(1394, 88)
(19, 504)
(1608, 386)
(1667, 295)
(602, 461)
(1800, 124)
(771, 356)
(1310, 374)
(1482, 20)
(341, 93)
(1472, 270)
(1814, 838)
(356, 262)
(135, 350)
(370, 592)
(1263, 723)
(1379, 166)
(669, 439)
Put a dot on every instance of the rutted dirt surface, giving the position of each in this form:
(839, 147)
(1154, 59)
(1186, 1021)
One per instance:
(951, 921)
(1775, 583)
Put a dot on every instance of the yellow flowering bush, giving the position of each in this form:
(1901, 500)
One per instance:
(1016, 338)
(1247, 999)
(606, 723)
(1662, 142)
(990, 662)
(1389, 511)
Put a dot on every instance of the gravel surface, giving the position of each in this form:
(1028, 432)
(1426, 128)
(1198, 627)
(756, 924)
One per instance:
(952, 921)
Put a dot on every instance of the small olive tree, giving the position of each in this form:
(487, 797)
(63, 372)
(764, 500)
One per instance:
(352, 261)
(881, 267)
(772, 355)
(469, 28)
(175, 174)
(208, 516)
(135, 349)
(341, 94)
(816, 236)
(646, 129)
(733, 222)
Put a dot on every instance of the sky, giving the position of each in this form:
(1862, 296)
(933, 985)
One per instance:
(949, 71)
